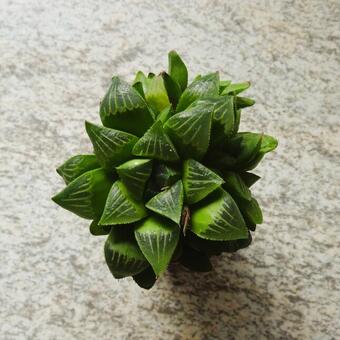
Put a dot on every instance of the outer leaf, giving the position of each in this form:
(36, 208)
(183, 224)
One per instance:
(236, 88)
(112, 147)
(251, 211)
(218, 218)
(76, 166)
(178, 70)
(122, 253)
(120, 207)
(145, 279)
(235, 185)
(204, 87)
(172, 88)
(249, 178)
(123, 108)
(190, 130)
(223, 85)
(85, 196)
(168, 203)
(242, 102)
(98, 230)
(156, 144)
(134, 174)
(195, 260)
(268, 143)
(157, 238)
(198, 181)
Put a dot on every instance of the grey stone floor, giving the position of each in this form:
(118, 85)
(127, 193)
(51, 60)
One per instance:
(56, 61)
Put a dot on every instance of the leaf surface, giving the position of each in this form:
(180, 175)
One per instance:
(177, 70)
(235, 185)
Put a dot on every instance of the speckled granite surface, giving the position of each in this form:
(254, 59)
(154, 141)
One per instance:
(56, 60)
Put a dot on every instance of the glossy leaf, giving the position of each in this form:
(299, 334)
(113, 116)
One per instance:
(122, 254)
(156, 144)
(76, 166)
(120, 207)
(236, 88)
(123, 108)
(223, 85)
(177, 70)
(157, 238)
(168, 203)
(249, 178)
(195, 260)
(98, 230)
(85, 196)
(190, 130)
(134, 174)
(155, 94)
(172, 88)
(165, 114)
(145, 279)
(198, 181)
(112, 147)
(268, 144)
(251, 211)
(235, 185)
(218, 218)
(242, 102)
(204, 87)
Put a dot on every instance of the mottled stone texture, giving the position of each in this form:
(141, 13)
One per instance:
(56, 61)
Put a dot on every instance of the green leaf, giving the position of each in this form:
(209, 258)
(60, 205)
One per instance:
(195, 260)
(122, 254)
(190, 130)
(223, 85)
(155, 94)
(172, 88)
(98, 230)
(251, 211)
(168, 203)
(76, 166)
(145, 279)
(112, 147)
(236, 88)
(223, 121)
(157, 238)
(249, 178)
(156, 144)
(123, 108)
(268, 144)
(198, 181)
(242, 102)
(235, 185)
(216, 247)
(134, 174)
(237, 120)
(85, 196)
(177, 70)
(165, 175)
(120, 207)
(218, 218)
(204, 87)
(165, 114)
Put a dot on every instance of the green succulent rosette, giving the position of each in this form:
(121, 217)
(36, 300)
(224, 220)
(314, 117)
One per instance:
(169, 179)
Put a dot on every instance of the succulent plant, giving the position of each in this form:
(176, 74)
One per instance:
(169, 178)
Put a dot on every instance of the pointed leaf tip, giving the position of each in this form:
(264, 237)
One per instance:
(177, 70)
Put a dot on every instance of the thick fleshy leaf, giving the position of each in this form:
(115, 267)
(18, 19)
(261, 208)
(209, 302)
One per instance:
(123, 108)
(218, 218)
(157, 238)
(155, 94)
(251, 211)
(120, 207)
(165, 114)
(242, 102)
(223, 85)
(85, 196)
(145, 279)
(98, 230)
(216, 247)
(112, 147)
(177, 70)
(223, 121)
(198, 181)
(172, 88)
(134, 174)
(236, 88)
(235, 185)
(156, 144)
(268, 144)
(194, 260)
(204, 87)
(190, 130)
(168, 203)
(165, 175)
(249, 178)
(122, 254)
(76, 166)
